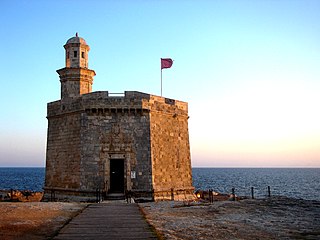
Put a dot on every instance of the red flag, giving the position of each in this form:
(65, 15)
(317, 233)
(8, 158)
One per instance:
(166, 63)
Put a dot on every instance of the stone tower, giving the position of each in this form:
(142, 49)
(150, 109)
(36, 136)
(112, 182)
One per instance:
(101, 144)
(76, 79)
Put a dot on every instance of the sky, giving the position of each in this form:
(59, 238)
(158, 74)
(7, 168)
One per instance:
(249, 71)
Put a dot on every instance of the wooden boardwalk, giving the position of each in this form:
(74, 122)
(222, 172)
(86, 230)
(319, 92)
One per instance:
(111, 220)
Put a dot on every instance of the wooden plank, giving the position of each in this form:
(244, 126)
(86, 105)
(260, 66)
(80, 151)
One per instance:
(112, 220)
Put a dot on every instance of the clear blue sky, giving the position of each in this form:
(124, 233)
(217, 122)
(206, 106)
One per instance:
(250, 71)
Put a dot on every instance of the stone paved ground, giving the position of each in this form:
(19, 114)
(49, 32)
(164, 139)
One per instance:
(274, 218)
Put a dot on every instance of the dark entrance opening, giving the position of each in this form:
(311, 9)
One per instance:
(116, 176)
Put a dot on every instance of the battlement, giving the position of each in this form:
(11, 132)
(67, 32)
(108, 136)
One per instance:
(103, 102)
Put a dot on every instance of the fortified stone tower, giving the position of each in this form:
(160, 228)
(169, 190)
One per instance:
(76, 78)
(99, 144)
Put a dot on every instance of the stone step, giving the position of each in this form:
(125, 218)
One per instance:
(115, 196)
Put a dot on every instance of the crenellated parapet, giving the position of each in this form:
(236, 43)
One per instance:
(131, 102)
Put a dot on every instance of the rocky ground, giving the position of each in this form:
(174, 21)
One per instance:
(273, 218)
(34, 220)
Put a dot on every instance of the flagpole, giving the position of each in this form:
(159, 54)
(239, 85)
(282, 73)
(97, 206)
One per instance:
(161, 82)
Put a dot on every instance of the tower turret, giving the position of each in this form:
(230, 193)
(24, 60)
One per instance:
(76, 52)
(76, 79)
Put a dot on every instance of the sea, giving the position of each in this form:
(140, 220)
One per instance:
(301, 183)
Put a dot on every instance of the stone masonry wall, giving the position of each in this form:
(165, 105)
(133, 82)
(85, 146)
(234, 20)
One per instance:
(149, 133)
(171, 163)
(63, 152)
(115, 127)
(75, 81)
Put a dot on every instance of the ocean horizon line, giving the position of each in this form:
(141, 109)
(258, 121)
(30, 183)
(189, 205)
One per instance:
(217, 167)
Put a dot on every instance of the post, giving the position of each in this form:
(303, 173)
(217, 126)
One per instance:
(172, 194)
(98, 198)
(210, 195)
(11, 194)
(269, 191)
(233, 194)
(161, 82)
(52, 195)
(252, 194)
